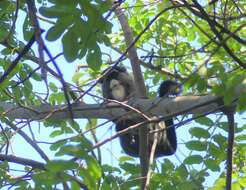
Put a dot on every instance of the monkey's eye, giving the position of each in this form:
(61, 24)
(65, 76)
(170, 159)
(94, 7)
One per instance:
(114, 84)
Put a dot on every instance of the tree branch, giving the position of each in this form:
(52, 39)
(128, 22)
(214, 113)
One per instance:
(28, 139)
(22, 161)
(15, 62)
(151, 107)
(140, 90)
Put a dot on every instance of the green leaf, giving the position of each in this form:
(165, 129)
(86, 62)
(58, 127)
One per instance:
(3, 30)
(56, 11)
(212, 164)
(181, 171)
(199, 132)
(110, 169)
(88, 180)
(68, 130)
(27, 89)
(216, 151)
(58, 144)
(220, 140)
(242, 181)
(91, 173)
(219, 184)
(53, 87)
(4, 5)
(236, 186)
(56, 133)
(167, 166)
(77, 151)
(192, 35)
(27, 28)
(223, 125)
(205, 121)
(36, 77)
(55, 32)
(194, 159)
(77, 76)
(70, 45)
(60, 27)
(17, 93)
(240, 137)
(196, 145)
(46, 178)
(93, 58)
(60, 165)
(94, 168)
(75, 186)
(130, 167)
(241, 106)
(123, 159)
(75, 126)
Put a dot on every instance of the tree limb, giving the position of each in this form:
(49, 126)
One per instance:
(22, 161)
(140, 90)
(151, 107)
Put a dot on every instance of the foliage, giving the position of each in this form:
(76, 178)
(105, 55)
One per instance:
(181, 44)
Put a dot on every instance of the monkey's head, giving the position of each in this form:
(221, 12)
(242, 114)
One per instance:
(169, 88)
(117, 84)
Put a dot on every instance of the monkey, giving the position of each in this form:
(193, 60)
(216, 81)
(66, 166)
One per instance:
(167, 140)
(119, 85)
(169, 88)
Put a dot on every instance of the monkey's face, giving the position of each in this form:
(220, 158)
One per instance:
(117, 89)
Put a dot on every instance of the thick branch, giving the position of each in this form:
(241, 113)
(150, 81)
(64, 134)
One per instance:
(140, 89)
(166, 106)
(22, 161)
(138, 77)
(157, 106)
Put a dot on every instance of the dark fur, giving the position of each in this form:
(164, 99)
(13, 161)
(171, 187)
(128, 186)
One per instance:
(167, 144)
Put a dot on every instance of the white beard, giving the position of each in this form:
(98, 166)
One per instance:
(118, 90)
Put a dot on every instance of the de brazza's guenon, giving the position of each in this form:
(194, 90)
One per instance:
(119, 85)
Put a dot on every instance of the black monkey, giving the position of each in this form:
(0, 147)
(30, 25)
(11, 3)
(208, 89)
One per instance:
(119, 85)
(167, 141)
(169, 88)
